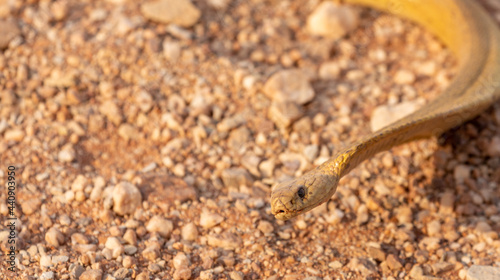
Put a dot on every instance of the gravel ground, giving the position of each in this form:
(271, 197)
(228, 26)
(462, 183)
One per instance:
(146, 138)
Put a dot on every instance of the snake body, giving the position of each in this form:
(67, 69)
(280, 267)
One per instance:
(467, 30)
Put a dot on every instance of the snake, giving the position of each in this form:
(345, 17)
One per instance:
(472, 36)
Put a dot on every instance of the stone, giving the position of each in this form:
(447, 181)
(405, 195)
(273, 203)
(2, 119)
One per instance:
(189, 232)
(76, 271)
(179, 12)
(209, 220)
(376, 253)
(130, 249)
(121, 273)
(160, 225)
(7, 98)
(47, 275)
(84, 248)
(143, 276)
(79, 238)
(207, 274)
(461, 172)
(54, 237)
(167, 190)
(181, 261)
(363, 265)
(329, 70)
(112, 243)
(144, 100)
(404, 77)
(16, 135)
(60, 79)
(31, 206)
(441, 267)
(387, 114)
(236, 275)
(171, 50)
(151, 253)
(236, 177)
(130, 237)
(332, 20)
(128, 261)
(128, 132)
(393, 262)
(126, 198)
(483, 227)
(493, 149)
(481, 272)
(91, 274)
(362, 215)
(416, 271)
(265, 227)
(45, 261)
(66, 154)
(434, 228)
(182, 274)
(251, 163)
(238, 138)
(404, 215)
(8, 31)
(447, 203)
(266, 168)
(311, 152)
(5, 8)
(59, 10)
(289, 86)
(226, 241)
(79, 183)
(283, 114)
(111, 111)
(59, 259)
(427, 68)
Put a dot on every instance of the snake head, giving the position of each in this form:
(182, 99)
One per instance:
(291, 198)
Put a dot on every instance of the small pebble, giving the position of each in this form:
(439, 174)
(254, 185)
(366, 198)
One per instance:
(126, 198)
(289, 86)
(179, 12)
(209, 220)
(332, 20)
(158, 224)
(189, 232)
(54, 237)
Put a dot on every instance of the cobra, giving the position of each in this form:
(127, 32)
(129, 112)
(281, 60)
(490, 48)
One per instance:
(473, 37)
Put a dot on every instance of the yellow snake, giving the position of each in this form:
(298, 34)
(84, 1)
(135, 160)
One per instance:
(467, 30)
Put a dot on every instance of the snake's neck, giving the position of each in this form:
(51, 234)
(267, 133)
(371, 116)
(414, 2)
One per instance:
(349, 158)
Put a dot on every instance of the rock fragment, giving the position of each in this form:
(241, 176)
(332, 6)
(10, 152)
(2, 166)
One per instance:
(160, 225)
(16, 135)
(289, 86)
(54, 237)
(189, 232)
(179, 12)
(209, 220)
(283, 114)
(332, 20)
(236, 177)
(126, 198)
(91, 274)
(8, 31)
(481, 272)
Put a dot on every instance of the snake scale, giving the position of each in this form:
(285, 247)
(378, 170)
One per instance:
(473, 37)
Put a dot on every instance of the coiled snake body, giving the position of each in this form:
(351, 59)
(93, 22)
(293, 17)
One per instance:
(465, 28)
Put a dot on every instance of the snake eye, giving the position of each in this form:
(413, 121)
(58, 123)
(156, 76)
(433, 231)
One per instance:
(301, 192)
